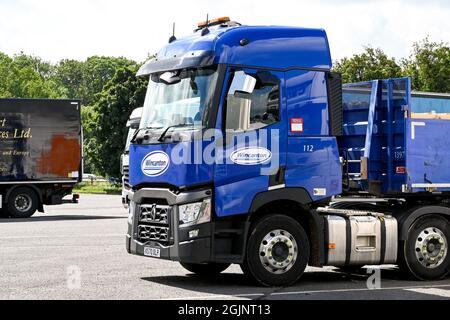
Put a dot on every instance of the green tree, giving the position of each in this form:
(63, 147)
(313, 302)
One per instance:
(119, 98)
(429, 66)
(370, 65)
(70, 74)
(20, 78)
(85, 79)
(43, 68)
(89, 118)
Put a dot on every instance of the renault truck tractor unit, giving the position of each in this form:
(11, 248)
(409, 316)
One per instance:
(295, 168)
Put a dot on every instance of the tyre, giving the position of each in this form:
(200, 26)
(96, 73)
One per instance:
(22, 203)
(207, 269)
(277, 251)
(424, 255)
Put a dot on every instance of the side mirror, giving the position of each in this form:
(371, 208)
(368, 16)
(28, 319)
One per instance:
(242, 83)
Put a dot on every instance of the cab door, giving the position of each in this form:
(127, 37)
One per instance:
(253, 154)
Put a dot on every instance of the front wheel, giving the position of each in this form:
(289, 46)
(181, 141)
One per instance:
(424, 255)
(277, 252)
(22, 203)
(206, 269)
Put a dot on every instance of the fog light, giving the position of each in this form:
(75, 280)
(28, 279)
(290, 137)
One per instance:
(194, 233)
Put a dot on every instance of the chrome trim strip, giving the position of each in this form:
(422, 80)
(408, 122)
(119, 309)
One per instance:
(280, 186)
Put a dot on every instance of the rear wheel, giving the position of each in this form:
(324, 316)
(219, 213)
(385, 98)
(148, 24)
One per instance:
(425, 253)
(277, 251)
(22, 203)
(206, 269)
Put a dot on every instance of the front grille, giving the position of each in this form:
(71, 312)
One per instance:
(153, 233)
(153, 213)
(154, 223)
(126, 177)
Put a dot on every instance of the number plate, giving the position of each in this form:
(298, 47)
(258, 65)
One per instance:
(152, 252)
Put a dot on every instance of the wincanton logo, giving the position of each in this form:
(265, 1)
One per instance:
(155, 164)
(251, 156)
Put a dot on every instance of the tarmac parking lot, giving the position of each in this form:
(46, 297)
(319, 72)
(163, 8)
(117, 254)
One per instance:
(77, 251)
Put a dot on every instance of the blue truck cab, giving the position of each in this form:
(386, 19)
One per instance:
(251, 151)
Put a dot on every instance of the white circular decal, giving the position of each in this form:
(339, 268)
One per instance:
(251, 156)
(155, 164)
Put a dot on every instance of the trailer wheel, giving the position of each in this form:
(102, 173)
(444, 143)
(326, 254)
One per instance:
(22, 203)
(277, 251)
(207, 269)
(425, 253)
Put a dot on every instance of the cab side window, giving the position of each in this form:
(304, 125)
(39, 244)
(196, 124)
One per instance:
(253, 101)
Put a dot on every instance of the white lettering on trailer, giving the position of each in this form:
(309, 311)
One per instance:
(413, 128)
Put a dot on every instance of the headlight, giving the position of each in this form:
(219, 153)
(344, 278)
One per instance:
(195, 213)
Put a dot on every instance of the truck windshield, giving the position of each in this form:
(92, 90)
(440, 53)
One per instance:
(181, 99)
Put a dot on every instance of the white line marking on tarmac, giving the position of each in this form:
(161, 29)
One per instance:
(307, 292)
(432, 291)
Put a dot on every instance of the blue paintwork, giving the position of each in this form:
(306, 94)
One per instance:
(236, 197)
(306, 95)
(313, 163)
(428, 152)
(426, 104)
(271, 47)
(237, 185)
(177, 174)
(375, 127)
(303, 95)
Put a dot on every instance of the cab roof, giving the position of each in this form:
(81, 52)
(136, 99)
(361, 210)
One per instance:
(254, 46)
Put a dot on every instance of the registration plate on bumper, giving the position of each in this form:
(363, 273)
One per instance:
(152, 252)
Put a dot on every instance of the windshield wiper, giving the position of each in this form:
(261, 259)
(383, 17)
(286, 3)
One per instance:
(133, 139)
(184, 125)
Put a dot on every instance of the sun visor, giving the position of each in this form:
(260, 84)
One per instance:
(192, 59)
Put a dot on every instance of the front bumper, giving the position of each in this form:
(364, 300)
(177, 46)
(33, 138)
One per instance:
(191, 245)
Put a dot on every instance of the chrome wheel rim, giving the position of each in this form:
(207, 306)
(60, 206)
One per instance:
(431, 248)
(23, 202)
(278, 251)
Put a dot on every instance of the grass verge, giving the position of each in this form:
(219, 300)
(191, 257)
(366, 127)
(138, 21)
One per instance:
(97, 189)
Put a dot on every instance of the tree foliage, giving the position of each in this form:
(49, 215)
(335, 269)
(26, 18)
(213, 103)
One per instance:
(84, 80)
(429, 66)
(27, 77)
(119, 98)
(371, 64)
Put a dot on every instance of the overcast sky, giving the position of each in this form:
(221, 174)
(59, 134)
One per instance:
(56, 29)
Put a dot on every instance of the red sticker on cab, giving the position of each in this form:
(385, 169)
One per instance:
(297, 125)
